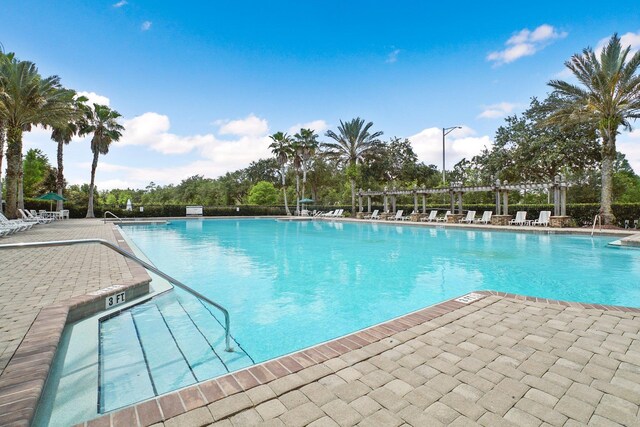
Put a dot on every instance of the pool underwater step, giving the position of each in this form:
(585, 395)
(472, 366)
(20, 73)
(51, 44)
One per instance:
(165, 344)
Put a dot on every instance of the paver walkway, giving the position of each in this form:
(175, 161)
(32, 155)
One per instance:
(31, 279)
(499, 361)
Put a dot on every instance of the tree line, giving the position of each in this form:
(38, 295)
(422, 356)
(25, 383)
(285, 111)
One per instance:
(572, 131)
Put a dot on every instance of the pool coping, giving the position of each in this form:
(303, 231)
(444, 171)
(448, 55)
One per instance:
(170, 405)
(24, 378)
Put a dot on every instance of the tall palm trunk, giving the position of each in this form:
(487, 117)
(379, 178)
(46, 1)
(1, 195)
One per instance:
(304, 178)
(284, 192)
(606, 192)
(297, 193)
(14, 159)
(60, 177)
(94, 166)
(21, 185)
(353, 197)
(2, 138)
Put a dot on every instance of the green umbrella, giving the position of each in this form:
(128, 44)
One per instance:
(306, 200)
(51, 196)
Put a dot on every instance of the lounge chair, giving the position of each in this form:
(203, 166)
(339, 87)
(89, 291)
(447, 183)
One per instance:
(15, 223)
(520, 219)
(398, 216)
(373, 215)
(330, 213)
(432, 217)
(543, 219)
(486, 218)
(445, 217)
(470, 218)
(29, 215)
(338, 212)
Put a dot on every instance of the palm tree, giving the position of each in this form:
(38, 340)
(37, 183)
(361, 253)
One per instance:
(62, 134)
(281, 148)
(26, 99)
(102, 122)
(608, 97)
(353, 141)
(307, 143)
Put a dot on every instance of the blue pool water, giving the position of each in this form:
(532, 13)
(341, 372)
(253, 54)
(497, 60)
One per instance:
(289, 285)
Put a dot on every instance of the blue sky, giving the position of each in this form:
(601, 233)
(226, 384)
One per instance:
(201, 85)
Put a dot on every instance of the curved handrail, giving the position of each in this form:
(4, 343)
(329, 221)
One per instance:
(104, 216)
(599, 220)
(227, 321)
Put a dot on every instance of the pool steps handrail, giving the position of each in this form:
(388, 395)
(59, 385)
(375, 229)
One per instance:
(104, 217)
(598, 219)
(54, 243)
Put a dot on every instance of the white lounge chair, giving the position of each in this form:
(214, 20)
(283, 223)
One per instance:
(432, 216)
(373, 215)
(330, 213)
(486, 217)
(520, 219)
(339, 212)
(470, 218)
(26, 214)
(445, 217)
(543, 219)
(15, 223)
(398, 216)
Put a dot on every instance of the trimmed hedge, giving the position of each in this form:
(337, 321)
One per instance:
(582, 213)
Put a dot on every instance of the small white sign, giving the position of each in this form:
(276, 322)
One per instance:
(469, 298)
(114, 300)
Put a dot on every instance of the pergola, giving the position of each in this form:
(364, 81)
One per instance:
(455, 191)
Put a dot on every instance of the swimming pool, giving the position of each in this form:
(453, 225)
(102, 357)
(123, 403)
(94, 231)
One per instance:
(290, 285)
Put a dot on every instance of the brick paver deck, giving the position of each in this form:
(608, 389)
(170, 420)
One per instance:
(503, 360)
(31, 279)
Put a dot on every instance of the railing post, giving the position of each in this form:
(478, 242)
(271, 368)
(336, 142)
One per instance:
(369, 203)
(505, 199)
(360, 200)
(424, 203)
(556, 195)
(386, 204)
(498, 204)
(415, 198)
(393, 201)
(563, 196)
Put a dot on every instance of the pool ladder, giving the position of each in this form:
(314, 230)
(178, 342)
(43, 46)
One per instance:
(225, 312)
(104, 217)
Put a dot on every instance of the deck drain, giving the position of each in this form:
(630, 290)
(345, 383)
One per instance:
(469, 298)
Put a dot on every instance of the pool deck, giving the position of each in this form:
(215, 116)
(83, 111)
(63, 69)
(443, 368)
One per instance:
(499, 360)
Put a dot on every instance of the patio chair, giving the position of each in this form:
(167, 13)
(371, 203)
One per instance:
(543, 219)
(444, 218)
(373, 215)
(398, 216)
(470, 218)
(486, 218)
(330, 213)
(31, 215)
(432, 216)
(520, 219)
(15, 222)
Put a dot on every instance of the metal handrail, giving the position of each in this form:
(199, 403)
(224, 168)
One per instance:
(227, 321)
(104, 216)
(599, 219)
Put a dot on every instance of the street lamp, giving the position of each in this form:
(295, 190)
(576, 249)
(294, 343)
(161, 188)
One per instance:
(445, 132)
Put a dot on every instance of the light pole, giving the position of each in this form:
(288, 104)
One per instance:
(445, 132)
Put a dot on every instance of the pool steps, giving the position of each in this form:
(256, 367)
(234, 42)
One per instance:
(162, 345)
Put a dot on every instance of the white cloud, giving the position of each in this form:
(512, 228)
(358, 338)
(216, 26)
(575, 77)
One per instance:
(94, 98)
(628, 39)
(393, 56)
(249, 126)
(526, 43)
(459, 143)
(629, 144)
(496, 111)
(318, 126)
(146, 25)
(120, 3)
